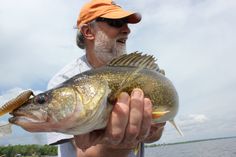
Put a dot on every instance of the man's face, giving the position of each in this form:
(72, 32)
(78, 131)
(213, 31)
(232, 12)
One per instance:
(110, 42)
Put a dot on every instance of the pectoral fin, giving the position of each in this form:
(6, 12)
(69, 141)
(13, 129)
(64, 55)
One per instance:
(158, 114)
(137, 149)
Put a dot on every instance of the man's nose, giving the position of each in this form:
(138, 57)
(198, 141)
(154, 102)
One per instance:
(125, 29)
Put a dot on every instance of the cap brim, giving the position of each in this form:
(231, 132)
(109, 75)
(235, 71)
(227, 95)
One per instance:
(120, 13)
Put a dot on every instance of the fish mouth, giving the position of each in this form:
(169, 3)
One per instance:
(29, 121)
(22, 116)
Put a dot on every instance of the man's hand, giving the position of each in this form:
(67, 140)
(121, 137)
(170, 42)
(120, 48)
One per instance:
(129, 124)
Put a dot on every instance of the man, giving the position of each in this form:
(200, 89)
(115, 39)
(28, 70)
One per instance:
(103, 31)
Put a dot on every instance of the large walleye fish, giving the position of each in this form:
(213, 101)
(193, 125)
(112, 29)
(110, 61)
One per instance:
(84, 102)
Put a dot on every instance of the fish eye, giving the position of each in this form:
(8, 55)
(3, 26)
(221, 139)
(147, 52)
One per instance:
(40, 99)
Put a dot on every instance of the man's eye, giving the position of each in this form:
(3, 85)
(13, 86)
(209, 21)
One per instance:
(40, 99)
(116, 23)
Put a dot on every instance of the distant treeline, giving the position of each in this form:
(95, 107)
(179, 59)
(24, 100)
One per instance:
(27, 150)
(165, 144)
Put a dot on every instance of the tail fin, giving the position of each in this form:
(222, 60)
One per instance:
(176, 127)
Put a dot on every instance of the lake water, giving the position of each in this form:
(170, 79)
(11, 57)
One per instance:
(212, 148)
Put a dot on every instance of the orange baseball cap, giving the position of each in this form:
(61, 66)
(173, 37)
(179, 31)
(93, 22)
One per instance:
(106, 9)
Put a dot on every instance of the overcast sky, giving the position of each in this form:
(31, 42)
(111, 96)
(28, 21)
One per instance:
(194, 41)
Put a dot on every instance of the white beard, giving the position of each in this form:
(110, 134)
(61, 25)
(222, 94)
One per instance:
(107, 49)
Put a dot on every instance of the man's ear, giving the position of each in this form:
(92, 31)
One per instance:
(87, 32)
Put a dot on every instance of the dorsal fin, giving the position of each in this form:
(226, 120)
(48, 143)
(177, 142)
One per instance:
(135, 59)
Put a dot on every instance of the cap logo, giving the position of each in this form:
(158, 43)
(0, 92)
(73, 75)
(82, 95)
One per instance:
(114, 3)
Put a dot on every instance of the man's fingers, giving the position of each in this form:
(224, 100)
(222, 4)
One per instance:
(118, 121)
(147, 120)
(136, 115)
(155, 132)
(83, 141)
